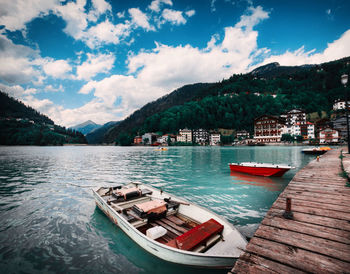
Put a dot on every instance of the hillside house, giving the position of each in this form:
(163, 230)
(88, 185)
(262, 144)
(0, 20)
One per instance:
(294, 116)
(340, 104)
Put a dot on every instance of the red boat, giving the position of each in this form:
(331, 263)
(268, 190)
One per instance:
(260, 169)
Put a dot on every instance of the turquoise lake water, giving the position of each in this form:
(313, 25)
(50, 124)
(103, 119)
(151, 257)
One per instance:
(49, 222)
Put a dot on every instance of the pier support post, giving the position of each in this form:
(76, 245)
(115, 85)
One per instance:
(288, 214)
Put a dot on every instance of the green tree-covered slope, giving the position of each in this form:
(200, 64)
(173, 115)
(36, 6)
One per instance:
(237, 101)
(22, 125)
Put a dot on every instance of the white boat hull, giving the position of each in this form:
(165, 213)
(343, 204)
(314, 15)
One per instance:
(167, 253)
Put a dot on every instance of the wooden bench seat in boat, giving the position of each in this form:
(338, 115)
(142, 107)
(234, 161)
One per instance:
(197, 235)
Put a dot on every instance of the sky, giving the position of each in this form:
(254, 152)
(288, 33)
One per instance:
(101, 60)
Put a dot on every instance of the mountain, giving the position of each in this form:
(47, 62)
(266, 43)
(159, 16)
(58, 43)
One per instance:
(97, 135)
(86, 127)
(177, 97)
(275, 70)
(237, 101)
(23, 125)
(12, 108)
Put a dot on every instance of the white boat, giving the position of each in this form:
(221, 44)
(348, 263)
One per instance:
(170, 227)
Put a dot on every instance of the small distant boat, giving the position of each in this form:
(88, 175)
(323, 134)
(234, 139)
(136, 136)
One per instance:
(170, 227)
(260, 169)
(316, 150)
(161, 149)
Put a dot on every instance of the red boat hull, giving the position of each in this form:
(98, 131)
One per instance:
(259, 171)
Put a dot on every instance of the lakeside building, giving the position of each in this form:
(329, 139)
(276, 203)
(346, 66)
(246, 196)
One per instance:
(339, 123)
(340, 104)
(328, 135)
(242, 134)
(185, 136)
(149, 138)
(201, 136)
(137, 140)
(164, 139)
(306, 130)
(214, 139)
(294, 116)
(268, 129)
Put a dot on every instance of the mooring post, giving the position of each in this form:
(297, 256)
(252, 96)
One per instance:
(288, 214)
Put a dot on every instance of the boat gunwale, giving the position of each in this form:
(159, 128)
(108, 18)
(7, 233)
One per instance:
(195, 254)
(262, 165)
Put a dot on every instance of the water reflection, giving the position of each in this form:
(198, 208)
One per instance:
(271, 184)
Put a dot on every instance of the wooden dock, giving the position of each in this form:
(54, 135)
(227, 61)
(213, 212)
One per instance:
(317, 239)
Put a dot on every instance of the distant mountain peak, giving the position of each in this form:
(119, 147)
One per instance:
(266, 68)
(88, 122)
(86, 127)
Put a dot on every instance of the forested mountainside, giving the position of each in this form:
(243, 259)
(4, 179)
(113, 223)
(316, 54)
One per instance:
(23, 125)
(237, 101)
(177, 97)
(12, 108)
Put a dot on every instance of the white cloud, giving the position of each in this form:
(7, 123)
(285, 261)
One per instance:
(335, 50)
(57, 68)
(17, 91)
(121, 15)
(165, 68)
(101, 63)
(51, 88)
(173, 16)
(254, 17)
(155, 5)
(15, 14)
(75, 17)
(106, 32)
(18, 62)
(140, 19)
(190, 13)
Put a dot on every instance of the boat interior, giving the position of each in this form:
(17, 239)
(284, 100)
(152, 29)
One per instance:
(149, 213)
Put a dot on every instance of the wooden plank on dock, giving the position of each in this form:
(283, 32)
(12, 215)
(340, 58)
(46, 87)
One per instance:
(317, 239)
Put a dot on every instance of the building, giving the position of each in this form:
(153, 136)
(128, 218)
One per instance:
(214, 139)
(306, 130)
(242, 134)
(164, 139)
(201, 136)
(329, 135)
(149, 138)
(137, 140)
(185, 136)
(294, 116)
(268, 129)
(339, 124)
(340, 104)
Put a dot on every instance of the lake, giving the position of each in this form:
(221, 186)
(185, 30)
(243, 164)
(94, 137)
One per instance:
(48, 218)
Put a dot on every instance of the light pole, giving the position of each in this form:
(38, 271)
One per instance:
(344, 81)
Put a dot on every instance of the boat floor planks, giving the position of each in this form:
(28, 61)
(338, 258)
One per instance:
(317, 239)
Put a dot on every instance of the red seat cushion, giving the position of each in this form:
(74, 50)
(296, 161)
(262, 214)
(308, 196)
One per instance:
(198, 234)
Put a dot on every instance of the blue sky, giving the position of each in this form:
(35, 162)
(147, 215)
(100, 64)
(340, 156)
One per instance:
(101, 60)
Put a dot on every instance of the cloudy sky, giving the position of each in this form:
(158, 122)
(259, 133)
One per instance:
(103, 59)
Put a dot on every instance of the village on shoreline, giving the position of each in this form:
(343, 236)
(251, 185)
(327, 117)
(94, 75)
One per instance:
(290, 128)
